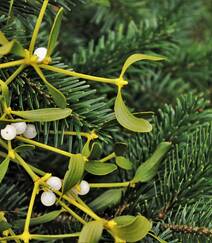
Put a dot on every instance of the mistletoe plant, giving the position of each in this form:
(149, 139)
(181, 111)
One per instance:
(19, 134)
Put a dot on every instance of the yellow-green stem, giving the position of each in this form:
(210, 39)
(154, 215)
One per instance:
(76, 216)
(36, 170)
(79, 75)
(44, 146)
(15, 74)
(37, 26)
(12, 63)
(36, 236)
(108, 157)
(26, 167)
(115, 184)
(31, 204)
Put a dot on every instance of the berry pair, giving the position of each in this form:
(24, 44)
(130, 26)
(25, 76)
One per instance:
(48, 198)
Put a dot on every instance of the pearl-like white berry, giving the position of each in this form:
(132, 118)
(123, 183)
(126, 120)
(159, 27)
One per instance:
(54, 182)
(84, 188)
(48, 198)
(20, 127)
(40, 53)
(8, 133)
(30, 131)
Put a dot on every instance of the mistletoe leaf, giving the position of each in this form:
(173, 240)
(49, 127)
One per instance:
(58, 96)
(98, 168)
(4, 167)
(54, 32)
(75, 171)
(44, 115)
(107, 199)
(123, 163)
(138, 57)
(148, 169)
(127, 119)
(131, 228)
(91, 232)
(45, 218)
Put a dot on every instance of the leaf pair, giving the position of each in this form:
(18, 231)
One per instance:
(127, 228)
(123, 115)
(13, 47)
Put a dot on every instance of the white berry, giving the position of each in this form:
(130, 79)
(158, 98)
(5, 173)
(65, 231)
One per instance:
(30, 131)
(20, 127)
(8, 133)
(40, 53)
(48, 198)
(84, 188)
(54, 182)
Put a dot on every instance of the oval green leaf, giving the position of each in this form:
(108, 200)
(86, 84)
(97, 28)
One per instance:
(107, 199)
(123, 163)
(75, 171)
(148, 169)
(127, 120)
(44, 115)
(54, 32)
(138, 57)
(86, 148)
(24, 148)
(3, 168)
(57, 96)
(91, 232)
(131, 228)
(96, 151)
(97, 168)
(38, 220)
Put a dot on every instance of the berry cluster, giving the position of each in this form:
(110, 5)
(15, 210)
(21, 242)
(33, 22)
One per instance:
(18, 128)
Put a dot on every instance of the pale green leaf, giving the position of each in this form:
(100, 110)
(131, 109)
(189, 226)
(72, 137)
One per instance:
(98, 168)
(86, 148)
(3, 168)
(138, 57)
(54, 32)
(124, 163)
(107, 199)
(131, 228)
(127, 120)
(24, 148)
(44, 115)
(45, 218)
(58, 96)
(96, 151)
(148, 169)
(91, 232)
(75, 171)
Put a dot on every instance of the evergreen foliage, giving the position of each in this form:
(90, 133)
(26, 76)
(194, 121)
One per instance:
(96, 37)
